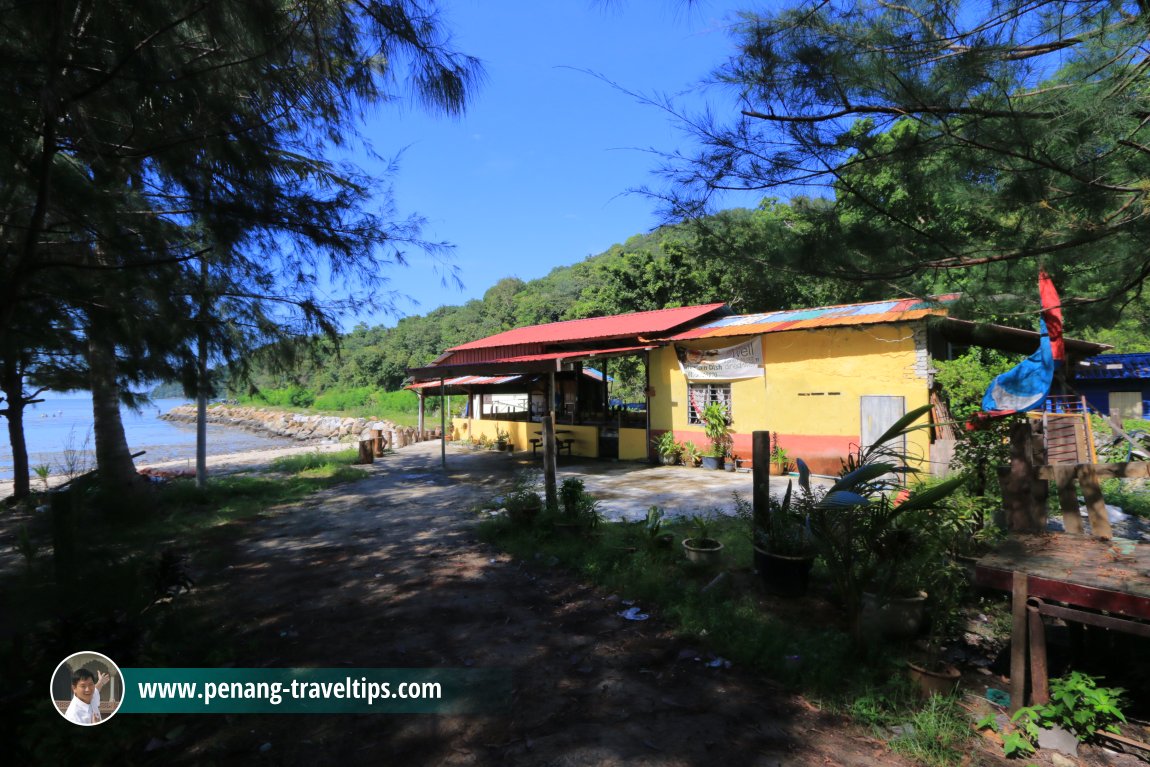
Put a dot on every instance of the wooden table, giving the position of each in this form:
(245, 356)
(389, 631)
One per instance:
(1086, 579)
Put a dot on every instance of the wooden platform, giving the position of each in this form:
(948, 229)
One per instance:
(1074, 569)
(1069, 577)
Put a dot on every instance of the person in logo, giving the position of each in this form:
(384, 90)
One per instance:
(85, 705)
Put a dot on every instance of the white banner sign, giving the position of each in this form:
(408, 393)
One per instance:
(742, 361)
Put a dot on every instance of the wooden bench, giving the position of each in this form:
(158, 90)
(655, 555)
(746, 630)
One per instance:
(560, 445)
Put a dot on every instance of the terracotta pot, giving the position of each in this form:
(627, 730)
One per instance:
(782, 575)
(932, 682)
(776, 470)
(710, 557)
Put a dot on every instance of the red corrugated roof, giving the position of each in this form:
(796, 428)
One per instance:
(900, 310)
(660, 321)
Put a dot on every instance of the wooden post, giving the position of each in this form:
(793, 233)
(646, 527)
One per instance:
(1018, 642)
(1017, 493)
(761, 478)
(1095, 506)
(366, 452)
(1039, 676)
(1068, 498)
(377, 442)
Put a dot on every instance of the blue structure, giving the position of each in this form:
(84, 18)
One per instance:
(1119, 382)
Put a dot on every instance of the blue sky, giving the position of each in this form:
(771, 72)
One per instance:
(536, 174)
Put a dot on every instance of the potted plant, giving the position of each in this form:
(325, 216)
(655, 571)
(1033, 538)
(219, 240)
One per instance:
(669, 449)
(578, 510)
(855, 525)
(717, 426)
(780, 459)
(701, 548)
(690, 454)
(653, 529)
(501, 438)
(523, 506)
(932, 675)
(781, 537)
(730, 462)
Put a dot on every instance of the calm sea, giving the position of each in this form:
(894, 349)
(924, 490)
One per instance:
(59, 434)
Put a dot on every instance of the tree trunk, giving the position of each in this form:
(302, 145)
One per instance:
(12, 384)
(14, 413)
(113, 459)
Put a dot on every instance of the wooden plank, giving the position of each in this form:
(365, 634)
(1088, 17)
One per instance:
(1068, 499)
(1129, 470)
(1018, 643)
(1095, 506)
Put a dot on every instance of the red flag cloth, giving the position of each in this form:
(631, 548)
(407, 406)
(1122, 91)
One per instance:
(1052, 313)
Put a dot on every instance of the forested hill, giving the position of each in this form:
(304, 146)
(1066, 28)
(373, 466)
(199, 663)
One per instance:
(727, 257)
(754, 260)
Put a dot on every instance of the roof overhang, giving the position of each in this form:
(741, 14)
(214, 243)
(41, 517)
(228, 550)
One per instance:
(1008, 339)
(551, 362)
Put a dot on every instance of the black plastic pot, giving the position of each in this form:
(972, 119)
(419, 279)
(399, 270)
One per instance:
(782, 575)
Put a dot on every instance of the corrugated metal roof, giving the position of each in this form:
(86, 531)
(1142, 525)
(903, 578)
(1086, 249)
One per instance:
(821, 317)
(1113, 366)
(463, 381)
(569, 354)
(658, 322)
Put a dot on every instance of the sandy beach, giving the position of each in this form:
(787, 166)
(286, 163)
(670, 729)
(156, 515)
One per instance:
(228, 463)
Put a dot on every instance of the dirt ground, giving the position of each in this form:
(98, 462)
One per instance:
(388, 573)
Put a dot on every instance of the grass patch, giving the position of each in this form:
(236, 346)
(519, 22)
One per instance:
(293, 464)
(937, 735)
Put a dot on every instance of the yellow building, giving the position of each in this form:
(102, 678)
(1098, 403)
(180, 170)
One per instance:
(823, 380)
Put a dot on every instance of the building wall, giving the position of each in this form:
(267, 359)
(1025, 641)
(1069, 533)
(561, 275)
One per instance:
(810, 391)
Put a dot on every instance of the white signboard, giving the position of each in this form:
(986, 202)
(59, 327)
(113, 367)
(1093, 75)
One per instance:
(742, 361)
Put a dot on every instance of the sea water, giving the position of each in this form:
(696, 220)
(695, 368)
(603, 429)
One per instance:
(59, 435)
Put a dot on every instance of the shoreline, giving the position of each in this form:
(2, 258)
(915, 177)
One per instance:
(220, 463)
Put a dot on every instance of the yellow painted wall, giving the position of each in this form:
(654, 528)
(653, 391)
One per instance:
(812, 384)
(632, 444)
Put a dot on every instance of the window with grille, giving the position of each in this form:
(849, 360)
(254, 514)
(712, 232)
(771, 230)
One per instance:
(701, 395)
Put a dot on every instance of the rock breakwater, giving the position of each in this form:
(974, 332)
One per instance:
(302, 427)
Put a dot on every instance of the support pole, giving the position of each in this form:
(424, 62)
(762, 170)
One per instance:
(443, 423)
(761, 479)
(647, 399)
(549, 464)
(1018, 642)
(419, 393)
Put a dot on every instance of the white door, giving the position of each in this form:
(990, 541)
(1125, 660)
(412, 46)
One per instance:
(878, 414)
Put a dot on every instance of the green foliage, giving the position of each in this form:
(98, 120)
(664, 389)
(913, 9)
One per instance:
(305, 462)
(867, 537)
(717, 426)
(938, 735)
(1077, 705)
(291, 396)
(668, 446)
(690, 454)
(779, 455)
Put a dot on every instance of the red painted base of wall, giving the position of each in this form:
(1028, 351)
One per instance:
(823, 453)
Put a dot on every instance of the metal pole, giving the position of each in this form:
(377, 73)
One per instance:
(549, 464)
(419, 393)
(647, 396)
(443, 423)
